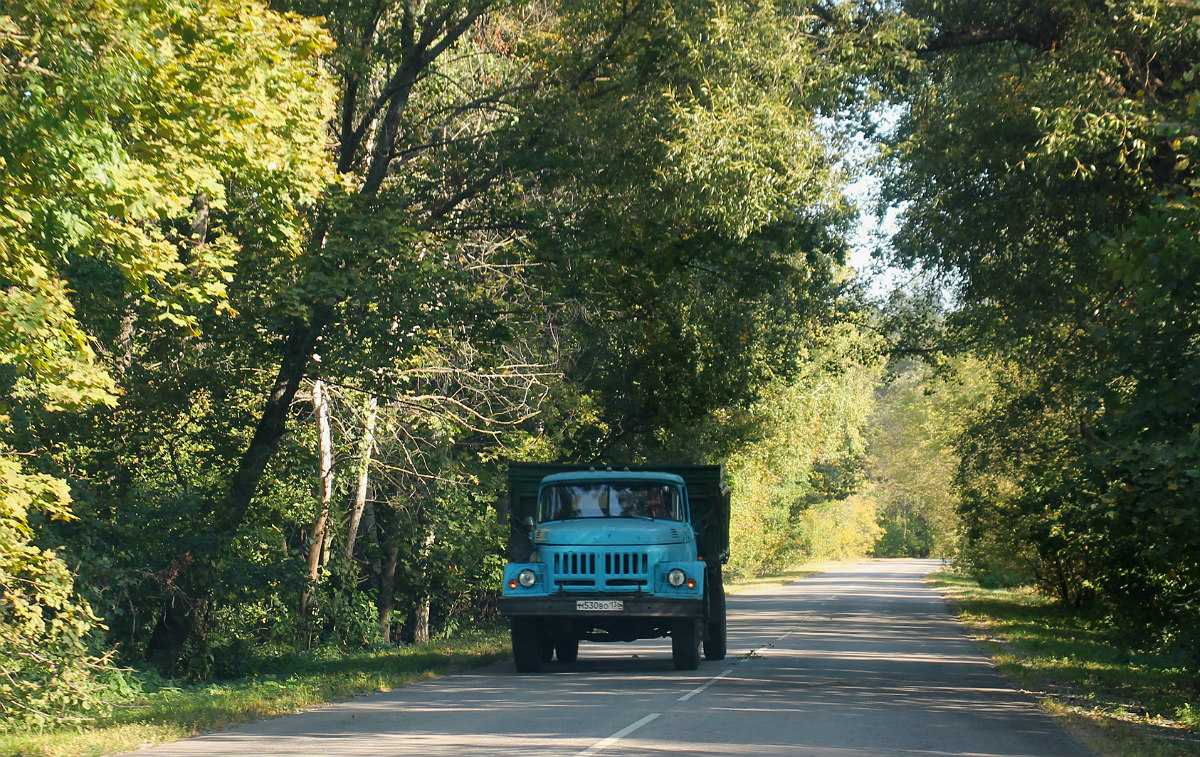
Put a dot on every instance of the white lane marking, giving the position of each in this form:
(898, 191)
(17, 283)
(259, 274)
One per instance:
(701, 688)
(605, 743)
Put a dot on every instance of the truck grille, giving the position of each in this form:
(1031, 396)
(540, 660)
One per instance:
(575, 564)
(584, 569)
(625, 563)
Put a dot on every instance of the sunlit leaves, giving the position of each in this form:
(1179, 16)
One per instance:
(123, 126)
(1048, 166)
(914, 459)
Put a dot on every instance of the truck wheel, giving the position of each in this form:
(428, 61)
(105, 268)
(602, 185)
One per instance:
(685, 643)
(545, 645)
(715, 645)
(567, 648)
(526, 647)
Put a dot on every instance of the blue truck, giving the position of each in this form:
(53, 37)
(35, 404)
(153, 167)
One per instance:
(610, 554)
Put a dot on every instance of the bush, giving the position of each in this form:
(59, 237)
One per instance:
(47, 673)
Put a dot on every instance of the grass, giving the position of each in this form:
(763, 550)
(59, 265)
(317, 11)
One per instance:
(176, 712)
(1118, 700)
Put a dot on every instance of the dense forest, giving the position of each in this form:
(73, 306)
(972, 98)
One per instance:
(286, 284)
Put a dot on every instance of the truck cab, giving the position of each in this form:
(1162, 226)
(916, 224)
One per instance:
(614, 555)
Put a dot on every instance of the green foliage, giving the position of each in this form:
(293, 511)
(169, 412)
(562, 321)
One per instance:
(45, 661)
(564, 230)
(105, 153)
(1047, 157)
(115, 119)
(921, 417)
(795, 457)
(839, 529)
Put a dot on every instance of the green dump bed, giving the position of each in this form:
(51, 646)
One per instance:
(708, 497)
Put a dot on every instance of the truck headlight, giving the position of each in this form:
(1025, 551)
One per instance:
(527, 578)
(676, 577)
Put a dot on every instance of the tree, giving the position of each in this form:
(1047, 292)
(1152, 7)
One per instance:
(461, 128)
(1048, 164)
(121, 129)
(795, 456)
(921, 418)
(542, 229)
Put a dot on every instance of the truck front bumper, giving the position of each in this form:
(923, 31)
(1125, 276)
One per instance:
(633, 606)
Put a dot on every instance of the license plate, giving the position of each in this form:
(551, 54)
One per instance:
(601, 605)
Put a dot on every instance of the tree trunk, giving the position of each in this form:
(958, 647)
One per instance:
(360, 495)
(176, 623)
(179, 616)
(420, 624)
(320, 527)
(272, 423)
(125, 334)
(420, 610)
(387, 588)
(200, 222)
(165, 645)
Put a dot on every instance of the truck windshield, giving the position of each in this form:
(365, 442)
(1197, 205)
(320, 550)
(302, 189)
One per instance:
(610, 500)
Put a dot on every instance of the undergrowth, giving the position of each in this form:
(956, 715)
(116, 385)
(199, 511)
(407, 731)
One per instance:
(151, 710)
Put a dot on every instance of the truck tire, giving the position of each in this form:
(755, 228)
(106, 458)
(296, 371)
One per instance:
(567, 648)
(526, 646)
(545, 644)
(685, 643)
(715, 645)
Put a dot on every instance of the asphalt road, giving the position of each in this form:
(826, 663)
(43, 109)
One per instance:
(862, 661)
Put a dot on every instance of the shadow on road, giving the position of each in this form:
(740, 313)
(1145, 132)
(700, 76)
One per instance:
(861, 662)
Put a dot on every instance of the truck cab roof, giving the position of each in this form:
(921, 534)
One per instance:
(575, 477)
